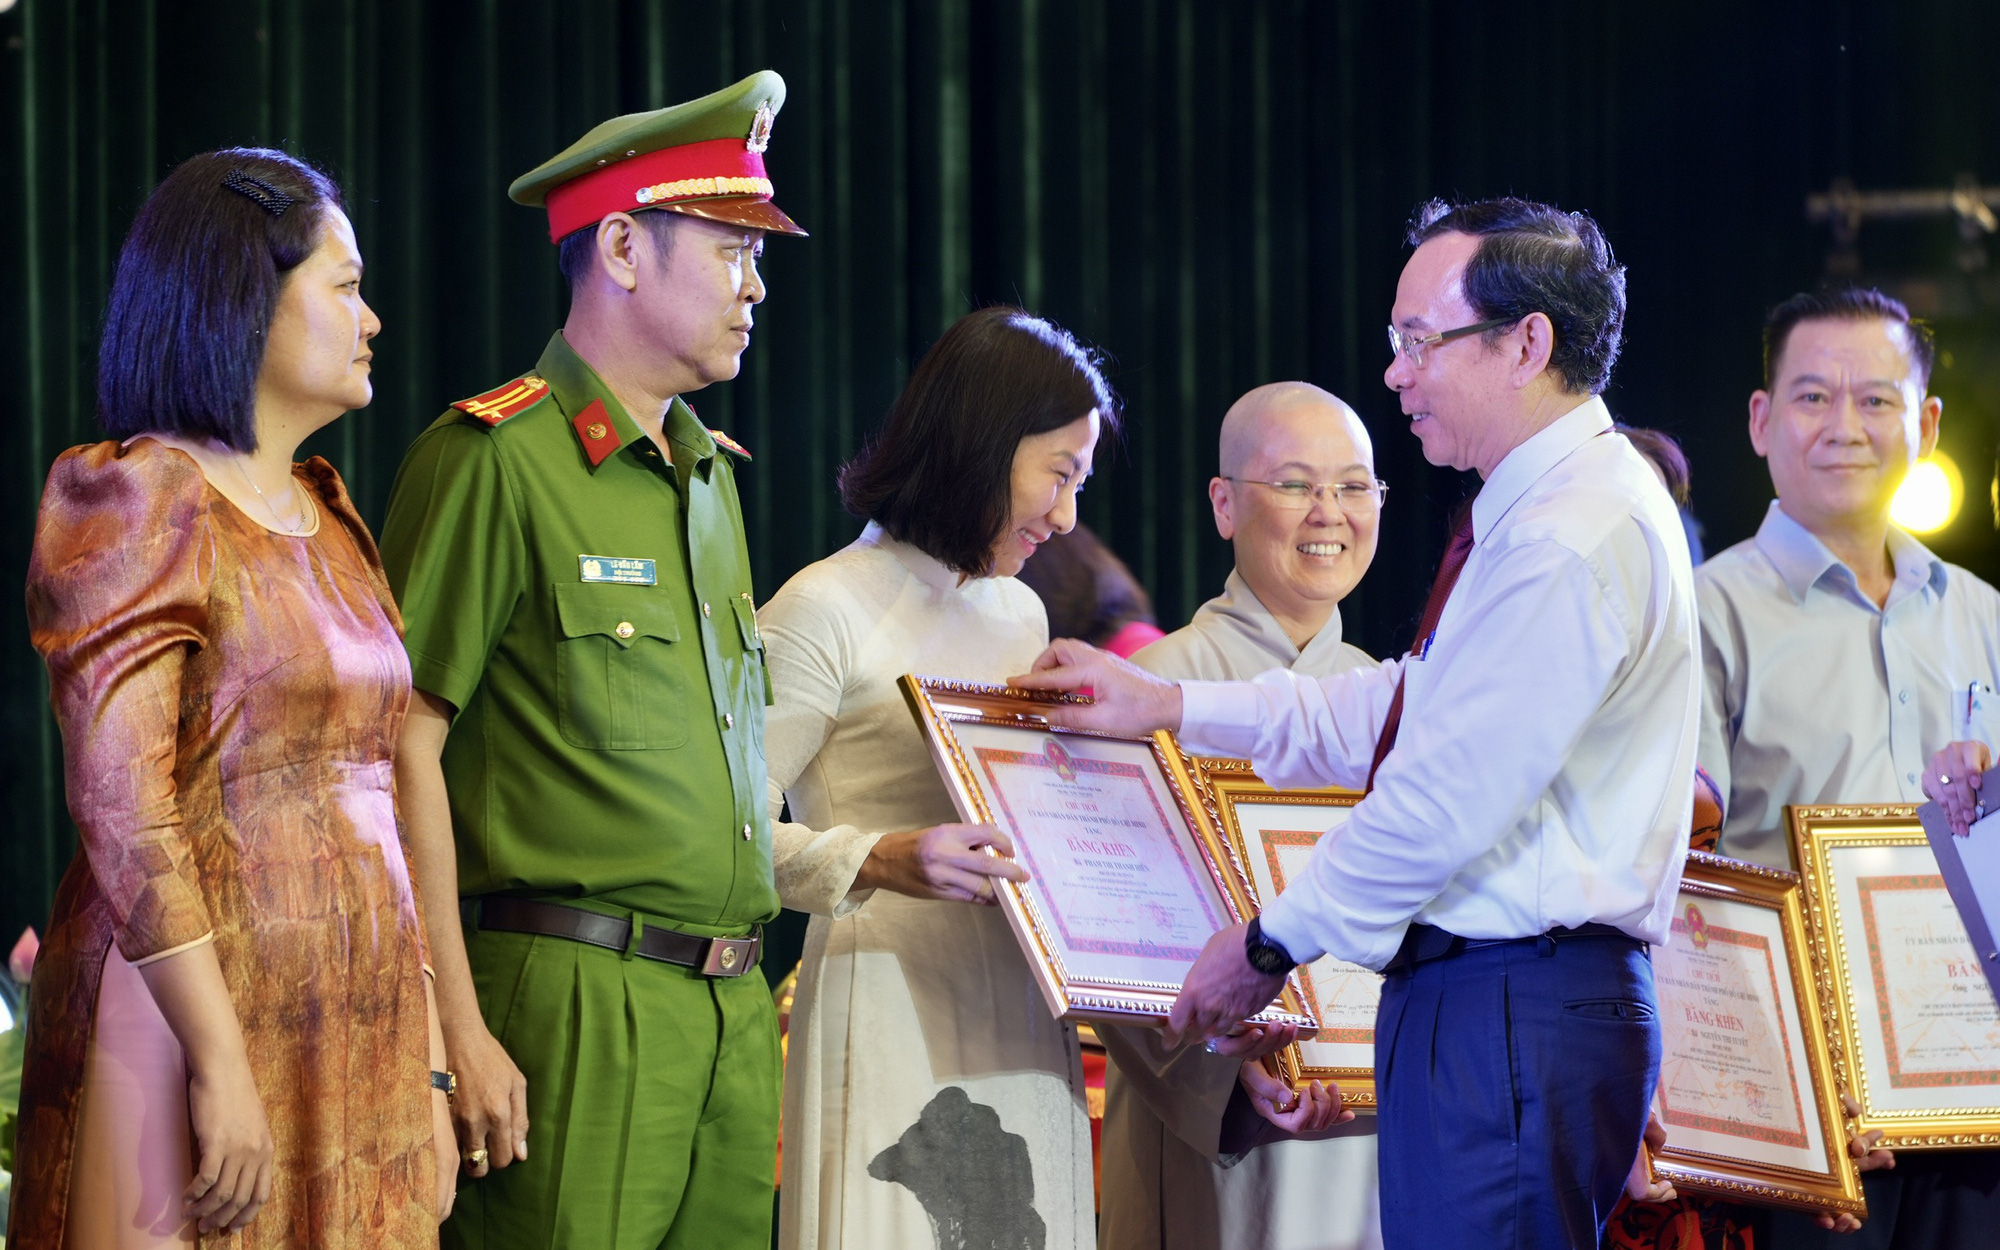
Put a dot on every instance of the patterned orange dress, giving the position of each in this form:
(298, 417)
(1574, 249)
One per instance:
(230, 700)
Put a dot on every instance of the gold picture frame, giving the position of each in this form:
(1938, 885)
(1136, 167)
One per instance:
(1740, 1015)
(1916, 1035)
(1075, 917)
(1341, 994)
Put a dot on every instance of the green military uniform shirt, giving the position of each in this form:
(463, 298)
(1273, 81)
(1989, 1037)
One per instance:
(586, 606)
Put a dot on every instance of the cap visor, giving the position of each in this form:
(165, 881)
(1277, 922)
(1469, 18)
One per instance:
(738, 210)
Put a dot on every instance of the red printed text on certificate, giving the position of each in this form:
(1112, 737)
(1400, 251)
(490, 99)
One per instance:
(1727, 1055)
(1938, 1021)
(1103, 858)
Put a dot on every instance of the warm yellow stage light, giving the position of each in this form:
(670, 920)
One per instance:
(1929, 497)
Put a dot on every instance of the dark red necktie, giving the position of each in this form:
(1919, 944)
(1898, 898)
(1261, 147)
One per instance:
(1447, 577)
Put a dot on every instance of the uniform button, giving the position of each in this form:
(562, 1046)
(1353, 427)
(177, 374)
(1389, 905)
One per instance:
(625, 629)
(747, 835)
(728, 721)
(704, 609)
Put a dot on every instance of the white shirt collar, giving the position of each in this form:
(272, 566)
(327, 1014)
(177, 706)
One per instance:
(1524, 466)
(1802, 559)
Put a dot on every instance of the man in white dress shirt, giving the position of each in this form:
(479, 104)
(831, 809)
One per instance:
(1298, 500)
(1532, 759)
(1840, 654)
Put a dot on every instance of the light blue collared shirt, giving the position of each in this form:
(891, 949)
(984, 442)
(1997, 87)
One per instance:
(1815, 695)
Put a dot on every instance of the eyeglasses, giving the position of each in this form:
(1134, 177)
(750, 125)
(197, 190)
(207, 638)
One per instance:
(1353, 498)
(1411, 347)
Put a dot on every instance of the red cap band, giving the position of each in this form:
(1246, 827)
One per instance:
(691, 171)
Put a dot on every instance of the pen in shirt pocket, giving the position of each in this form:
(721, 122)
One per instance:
(1969, 713)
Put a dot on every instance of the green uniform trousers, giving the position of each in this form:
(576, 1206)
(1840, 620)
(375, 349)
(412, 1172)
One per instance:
(652, 1103)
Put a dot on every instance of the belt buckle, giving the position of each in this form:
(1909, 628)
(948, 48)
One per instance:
(729, 957)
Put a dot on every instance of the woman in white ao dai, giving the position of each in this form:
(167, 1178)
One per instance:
(930, 1098)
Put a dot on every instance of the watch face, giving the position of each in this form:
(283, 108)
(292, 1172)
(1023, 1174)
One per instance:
(1267, 960)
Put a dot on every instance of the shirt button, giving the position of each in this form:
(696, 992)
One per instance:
(728, 721)
(1904, 697)
(704, 609)
(625, 629)
(747, 835)
(1912, 777)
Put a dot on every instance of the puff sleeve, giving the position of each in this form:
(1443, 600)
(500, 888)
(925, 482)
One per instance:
(118, 599)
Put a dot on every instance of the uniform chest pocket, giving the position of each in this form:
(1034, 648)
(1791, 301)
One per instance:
(753, 646)
(621, 683)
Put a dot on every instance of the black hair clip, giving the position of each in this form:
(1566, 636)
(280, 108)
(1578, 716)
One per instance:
(258, 192)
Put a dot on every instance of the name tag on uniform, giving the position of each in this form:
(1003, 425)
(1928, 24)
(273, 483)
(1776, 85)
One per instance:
(621, 569)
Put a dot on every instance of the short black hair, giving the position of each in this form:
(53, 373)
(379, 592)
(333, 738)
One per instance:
(1536, 258)
(198, 281)
(1845, 302)
(938, 473)
(579, 247)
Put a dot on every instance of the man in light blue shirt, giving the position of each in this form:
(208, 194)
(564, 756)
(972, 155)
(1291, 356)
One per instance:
(1840, 654)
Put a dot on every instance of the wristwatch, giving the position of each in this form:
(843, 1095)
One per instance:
(446, 1081)
(1266, 956)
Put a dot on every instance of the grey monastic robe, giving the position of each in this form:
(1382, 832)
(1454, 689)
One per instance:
(1170, 1181)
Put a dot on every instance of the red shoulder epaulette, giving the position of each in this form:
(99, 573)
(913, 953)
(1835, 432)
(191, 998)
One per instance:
(505, 401)
(729, 444)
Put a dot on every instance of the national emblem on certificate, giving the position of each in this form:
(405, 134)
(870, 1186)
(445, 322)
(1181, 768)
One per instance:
(1126, 877)
(1747, 1093)
(1919, 1027)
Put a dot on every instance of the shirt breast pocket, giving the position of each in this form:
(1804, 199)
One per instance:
(753, 647)
(619, 684)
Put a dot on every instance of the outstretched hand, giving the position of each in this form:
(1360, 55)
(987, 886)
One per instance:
(1124, 699)
(947, 862)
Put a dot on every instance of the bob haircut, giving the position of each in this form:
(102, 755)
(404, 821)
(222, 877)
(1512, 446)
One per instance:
(939, 472)
(198, 281)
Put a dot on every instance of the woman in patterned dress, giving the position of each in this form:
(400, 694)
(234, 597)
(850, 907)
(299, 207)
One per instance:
(231, 1037)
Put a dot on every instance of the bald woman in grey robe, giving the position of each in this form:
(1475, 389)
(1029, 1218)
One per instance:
(1182, 1167)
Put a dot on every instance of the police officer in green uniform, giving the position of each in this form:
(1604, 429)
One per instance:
(582, 778)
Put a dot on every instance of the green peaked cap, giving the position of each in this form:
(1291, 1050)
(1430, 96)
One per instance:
(703, 157)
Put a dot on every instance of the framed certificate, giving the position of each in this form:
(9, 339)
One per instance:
(1271, 834)
(1916, 1032)
(1747, 1090)
(1127, 878)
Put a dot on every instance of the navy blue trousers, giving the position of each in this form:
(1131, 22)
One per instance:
(1514, 1081)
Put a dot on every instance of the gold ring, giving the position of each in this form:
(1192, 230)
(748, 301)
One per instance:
(477, 1158)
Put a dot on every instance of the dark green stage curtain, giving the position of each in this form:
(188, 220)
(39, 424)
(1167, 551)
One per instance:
(1210, 192)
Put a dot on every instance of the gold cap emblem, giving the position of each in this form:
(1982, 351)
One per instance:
(760, 128)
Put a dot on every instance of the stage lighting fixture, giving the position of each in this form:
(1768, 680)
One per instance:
(1930, 496)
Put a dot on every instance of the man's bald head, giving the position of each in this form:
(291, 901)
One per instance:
(1250, 422)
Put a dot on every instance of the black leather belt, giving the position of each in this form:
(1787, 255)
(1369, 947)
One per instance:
(1424, 943)
(712, 957)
